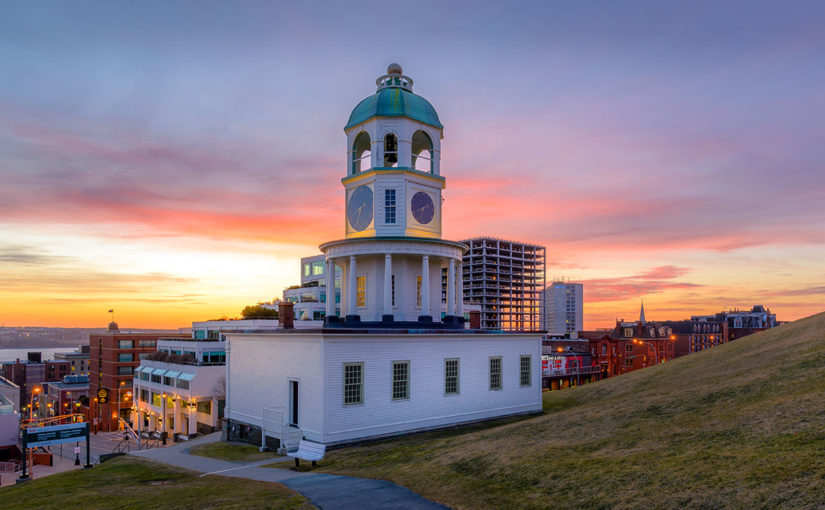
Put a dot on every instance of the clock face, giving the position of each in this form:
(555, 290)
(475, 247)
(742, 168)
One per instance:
(359, 208)
(422, 208)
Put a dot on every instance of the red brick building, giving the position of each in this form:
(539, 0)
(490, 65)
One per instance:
(631, 346)
(113, 357)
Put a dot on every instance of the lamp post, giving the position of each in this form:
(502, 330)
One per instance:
(655, 353)
(35, 391)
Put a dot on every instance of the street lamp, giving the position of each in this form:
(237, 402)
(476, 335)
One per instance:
(35, 391)
(650, 345)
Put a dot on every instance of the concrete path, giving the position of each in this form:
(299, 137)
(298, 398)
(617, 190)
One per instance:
(328, 492)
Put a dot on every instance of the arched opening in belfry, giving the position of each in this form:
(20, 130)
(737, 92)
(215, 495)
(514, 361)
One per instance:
(422, 152)
(361, 153)
(390, 150)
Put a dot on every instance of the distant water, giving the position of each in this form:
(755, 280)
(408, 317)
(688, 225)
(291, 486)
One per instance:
(47, 353)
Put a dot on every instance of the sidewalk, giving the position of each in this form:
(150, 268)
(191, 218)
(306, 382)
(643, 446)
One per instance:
(329, 492)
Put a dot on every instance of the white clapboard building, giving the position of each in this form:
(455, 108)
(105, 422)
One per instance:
(391, 361)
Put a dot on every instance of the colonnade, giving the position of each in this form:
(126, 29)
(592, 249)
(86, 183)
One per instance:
(349, 284)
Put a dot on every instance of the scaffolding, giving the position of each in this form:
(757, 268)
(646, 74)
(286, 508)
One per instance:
(507, 278)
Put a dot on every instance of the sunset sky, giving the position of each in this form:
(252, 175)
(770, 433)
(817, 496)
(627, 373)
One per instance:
(174, 160)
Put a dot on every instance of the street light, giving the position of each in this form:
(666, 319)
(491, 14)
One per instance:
(163, 419)
(650, 345)
(35, 391)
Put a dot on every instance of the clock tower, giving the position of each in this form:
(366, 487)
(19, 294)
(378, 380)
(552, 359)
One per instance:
(392, 257)
(393, 183)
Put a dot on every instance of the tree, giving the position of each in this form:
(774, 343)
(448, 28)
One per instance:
(258, 312)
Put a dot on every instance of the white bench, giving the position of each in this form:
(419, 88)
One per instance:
(307, 450)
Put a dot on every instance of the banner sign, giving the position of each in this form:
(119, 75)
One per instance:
(56, 434)
(103, 395)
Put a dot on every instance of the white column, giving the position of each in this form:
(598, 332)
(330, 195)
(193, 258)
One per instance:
(451, 288)
(387, 284)
(425, 285)
(459, 291)
(193, 420)
(178, 418)
(351, 308)
(330, 288)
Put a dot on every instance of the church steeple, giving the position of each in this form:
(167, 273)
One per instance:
(642, 313)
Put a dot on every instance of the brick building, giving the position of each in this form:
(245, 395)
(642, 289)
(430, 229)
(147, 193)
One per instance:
(33, 372)
(630, 346)
(113, 357)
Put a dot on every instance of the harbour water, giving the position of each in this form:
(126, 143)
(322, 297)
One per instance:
(47, 352)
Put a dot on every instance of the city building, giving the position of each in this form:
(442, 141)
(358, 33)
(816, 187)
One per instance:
(507, 279)
(180, 388)
(66, 396)
(631, 346)
(113, 357)
(78, 360)
(711, 330)
(310, 297)
(32, 373)
(11, 391)
(566, 363)
(390, 363)
(562, 305)
(9, 430)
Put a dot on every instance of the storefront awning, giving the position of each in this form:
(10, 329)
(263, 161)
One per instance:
(186, 376)
(159, 371)
(172, 374)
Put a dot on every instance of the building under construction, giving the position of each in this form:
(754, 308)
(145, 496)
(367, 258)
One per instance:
(506, 278)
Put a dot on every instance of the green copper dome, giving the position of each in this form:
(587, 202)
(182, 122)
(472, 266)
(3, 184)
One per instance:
(394, 99)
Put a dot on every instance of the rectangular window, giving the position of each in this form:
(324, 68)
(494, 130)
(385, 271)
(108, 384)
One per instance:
(168, 381)
(318, 267)
(526, 370)
(155, 378)
(392, 284)
(144, 376)
(156, 399)
(361, 291)
(205, 407)
(125, 357)
(451, 376)
(125, 344)
(146, 343)
(144, 395)
(628, 348)
(125, 370)
(495, 373)
(389, 206)
(418, 290)
(353, 383)
(306, 269)
(628, 362)
(400, 380)
(184, 385)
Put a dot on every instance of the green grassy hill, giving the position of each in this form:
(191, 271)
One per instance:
(739, 425)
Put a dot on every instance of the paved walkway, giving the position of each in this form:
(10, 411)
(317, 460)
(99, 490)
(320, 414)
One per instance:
(328, 492)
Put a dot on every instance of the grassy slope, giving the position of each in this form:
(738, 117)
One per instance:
(742, 424)
(130, 482)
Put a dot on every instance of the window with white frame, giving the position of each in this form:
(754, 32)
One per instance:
(451, 376)
(525, 370)
(495, 373)
(389, 206)
(400, 380)
(353, 383)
